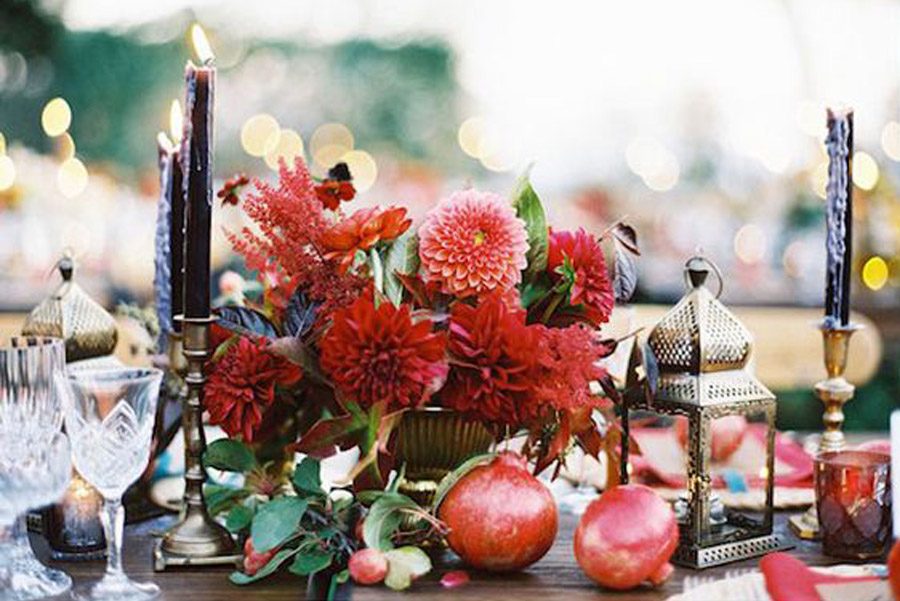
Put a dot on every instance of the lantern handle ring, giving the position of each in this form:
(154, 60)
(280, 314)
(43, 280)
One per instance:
(689, 280)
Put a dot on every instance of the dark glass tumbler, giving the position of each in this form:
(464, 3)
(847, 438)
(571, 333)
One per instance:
(853, 499)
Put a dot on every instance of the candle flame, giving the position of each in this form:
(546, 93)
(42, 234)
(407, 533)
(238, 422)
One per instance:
(176, 118)
(201, 44)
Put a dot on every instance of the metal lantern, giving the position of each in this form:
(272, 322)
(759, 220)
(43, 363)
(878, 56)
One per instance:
(69, 313)
(701, 351)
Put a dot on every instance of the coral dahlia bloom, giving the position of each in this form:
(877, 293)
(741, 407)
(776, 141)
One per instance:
(241, 386)
(472, 243)
(493, 361)
(375, 355)
(361, 231)
(591, 288)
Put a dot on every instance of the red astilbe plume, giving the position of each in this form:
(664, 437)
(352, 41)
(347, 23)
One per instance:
(382, 355)
(291, 220)
(578, 255)
(241, 386)
(567, 365)
(493, 361)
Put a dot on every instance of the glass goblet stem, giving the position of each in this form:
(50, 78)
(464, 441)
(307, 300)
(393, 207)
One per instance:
(113, 519)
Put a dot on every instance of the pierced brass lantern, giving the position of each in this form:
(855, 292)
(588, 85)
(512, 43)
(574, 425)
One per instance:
(702, 351)
(69, 313)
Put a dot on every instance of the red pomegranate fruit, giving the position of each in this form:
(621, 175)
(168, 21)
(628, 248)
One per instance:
(501, 518)
(626, 537)
(727, 435)
(368, 566)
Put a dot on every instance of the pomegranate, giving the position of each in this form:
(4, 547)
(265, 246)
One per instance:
(727, 435)
(253, 560)
(626, 537)
(368, 566)
(501, 518)
(893, 565)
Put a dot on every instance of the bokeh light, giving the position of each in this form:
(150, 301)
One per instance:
(471, 136)
(72, 178)
(653, 162)
(792, 259)
(65, 147)
(288, 146)
(750, 244)
(2, 144)
(875, 273)
(56, 117)
(329, 142)
(259, 135)
(865, 170)
(362, 167)
(890, 140)
(818, 179)
(7, 173)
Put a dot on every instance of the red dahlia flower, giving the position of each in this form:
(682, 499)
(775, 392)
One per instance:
(241, 386)
(375, 355)
(361, 231)
(579, 256)
(493, 361)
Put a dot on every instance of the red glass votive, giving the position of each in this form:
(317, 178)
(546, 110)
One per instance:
(853, 499)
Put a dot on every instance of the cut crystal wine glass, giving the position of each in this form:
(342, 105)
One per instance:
(34, 460)
(109, 417)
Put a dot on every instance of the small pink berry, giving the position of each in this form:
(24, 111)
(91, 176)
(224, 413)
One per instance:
(368, 566)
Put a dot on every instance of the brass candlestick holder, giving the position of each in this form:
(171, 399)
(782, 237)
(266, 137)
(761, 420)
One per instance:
(834, 392)
(196, 539)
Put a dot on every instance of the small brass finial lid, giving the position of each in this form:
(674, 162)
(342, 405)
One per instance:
(69, 313)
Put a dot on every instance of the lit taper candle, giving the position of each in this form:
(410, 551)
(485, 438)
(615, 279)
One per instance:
(196, 157)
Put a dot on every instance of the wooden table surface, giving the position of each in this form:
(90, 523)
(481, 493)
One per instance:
(556, 576)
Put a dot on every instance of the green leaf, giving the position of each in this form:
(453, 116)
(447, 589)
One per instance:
(535, 291)
(307, 478)
(279, 558)
(342, 576)
(238, 518)
(450, 480)
(276, 522)
(405, 565)
(384, 519)
(403, 258)
(529, 209)
(229, 455)
(219, 498)
(367, 497)
(310, 562)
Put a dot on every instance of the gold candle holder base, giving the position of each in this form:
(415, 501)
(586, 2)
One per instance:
(196, 539)
(834, 392)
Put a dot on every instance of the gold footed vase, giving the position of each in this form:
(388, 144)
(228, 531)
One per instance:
(834, 392)
(432, 442)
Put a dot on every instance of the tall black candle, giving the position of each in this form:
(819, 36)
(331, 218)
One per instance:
(196, 157)
(839, 217)
(176, 223)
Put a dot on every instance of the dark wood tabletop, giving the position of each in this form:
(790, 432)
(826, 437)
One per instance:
(556, 576)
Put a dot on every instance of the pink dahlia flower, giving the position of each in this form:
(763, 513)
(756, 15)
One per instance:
(472, 243)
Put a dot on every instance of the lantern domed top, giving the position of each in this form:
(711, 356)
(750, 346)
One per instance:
(699, 334)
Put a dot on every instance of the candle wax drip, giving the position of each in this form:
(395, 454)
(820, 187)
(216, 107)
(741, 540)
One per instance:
(837, 205)
(163, 259)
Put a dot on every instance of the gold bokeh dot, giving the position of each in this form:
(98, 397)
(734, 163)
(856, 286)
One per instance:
(362, 167)
(72, 178)
(471, 137)
(7, 173)
(328, 140)
(865, 170)
(56, 117)
(259, 135)
(288, 146)
(875, 273)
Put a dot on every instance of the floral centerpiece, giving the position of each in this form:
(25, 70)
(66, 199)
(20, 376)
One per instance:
(481, 309)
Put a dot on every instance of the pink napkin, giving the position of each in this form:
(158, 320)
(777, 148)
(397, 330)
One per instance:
(789, 579)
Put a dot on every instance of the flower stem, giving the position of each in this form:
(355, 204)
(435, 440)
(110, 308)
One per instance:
(377, 270)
